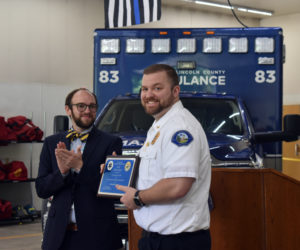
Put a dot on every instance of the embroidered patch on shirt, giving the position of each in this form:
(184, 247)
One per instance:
(182, 138)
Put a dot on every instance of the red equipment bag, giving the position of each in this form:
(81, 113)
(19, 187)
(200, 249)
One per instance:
(16, 170)
(24, 129)
(5, 209)
(3, 130)
(11, 134)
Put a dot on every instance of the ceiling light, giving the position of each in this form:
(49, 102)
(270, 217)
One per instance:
(226, 6)
(214, 4)
(260, 12)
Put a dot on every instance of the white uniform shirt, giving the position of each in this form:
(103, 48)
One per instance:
(162, 158)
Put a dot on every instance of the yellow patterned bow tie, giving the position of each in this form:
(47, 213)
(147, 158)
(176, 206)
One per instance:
(72, 135)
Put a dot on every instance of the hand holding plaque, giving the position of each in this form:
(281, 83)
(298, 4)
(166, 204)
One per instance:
(118, 170)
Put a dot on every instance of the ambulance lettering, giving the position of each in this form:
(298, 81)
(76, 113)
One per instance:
(267, 76)
(207, 79)
(111, 76)
(132, 143)
(203, 80)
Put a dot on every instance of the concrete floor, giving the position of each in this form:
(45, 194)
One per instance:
(26, 236)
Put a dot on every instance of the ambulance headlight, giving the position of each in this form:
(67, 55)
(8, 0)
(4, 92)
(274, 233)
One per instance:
(135, 46)
(264, 45)
(161, 45)
(110, 46)
(238, 45)
(186, 45)
(212, 45)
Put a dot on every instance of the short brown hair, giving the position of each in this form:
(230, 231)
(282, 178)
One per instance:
(170, 71)
(71, 94)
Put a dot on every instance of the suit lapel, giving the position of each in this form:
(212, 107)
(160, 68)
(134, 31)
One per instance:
(92, 141)
(66, 140)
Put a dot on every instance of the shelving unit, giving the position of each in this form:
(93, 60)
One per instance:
(13, 181)
(20, 220)
(19, 192)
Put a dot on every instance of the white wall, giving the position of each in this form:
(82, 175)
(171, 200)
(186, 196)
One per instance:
(46, 49)
(291, 75)
(178, 17)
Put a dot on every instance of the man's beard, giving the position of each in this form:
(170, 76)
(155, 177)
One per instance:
(159, 108)
(80, 124)
(153, 111)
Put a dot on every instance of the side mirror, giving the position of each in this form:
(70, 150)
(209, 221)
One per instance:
(292, 124)
(291, 132)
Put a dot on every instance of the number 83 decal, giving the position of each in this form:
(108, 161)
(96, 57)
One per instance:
(109, 76)
(267, 76)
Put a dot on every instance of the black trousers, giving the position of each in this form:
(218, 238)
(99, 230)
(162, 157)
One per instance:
(71, 241)
(199, 240)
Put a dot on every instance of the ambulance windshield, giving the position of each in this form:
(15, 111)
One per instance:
(215, 115)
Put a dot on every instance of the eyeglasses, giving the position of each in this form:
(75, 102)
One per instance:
(81, 107)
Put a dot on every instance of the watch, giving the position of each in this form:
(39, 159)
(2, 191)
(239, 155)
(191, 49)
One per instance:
(137, 200)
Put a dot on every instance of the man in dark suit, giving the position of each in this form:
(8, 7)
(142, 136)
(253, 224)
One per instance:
(69, 171)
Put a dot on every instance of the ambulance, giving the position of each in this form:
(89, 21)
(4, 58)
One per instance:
(230, 79)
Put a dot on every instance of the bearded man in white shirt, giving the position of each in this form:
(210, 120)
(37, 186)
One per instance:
(170, 198)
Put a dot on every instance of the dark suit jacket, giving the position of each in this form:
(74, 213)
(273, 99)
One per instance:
(96, 218)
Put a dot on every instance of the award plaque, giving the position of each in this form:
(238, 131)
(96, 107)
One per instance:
(118, 170)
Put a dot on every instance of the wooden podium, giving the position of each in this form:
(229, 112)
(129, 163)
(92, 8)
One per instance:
(255, 209)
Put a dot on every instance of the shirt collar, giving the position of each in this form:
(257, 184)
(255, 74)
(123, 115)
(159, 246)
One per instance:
(174, 109)
(86, 130)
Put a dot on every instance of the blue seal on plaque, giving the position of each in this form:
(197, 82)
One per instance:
(117, 171)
